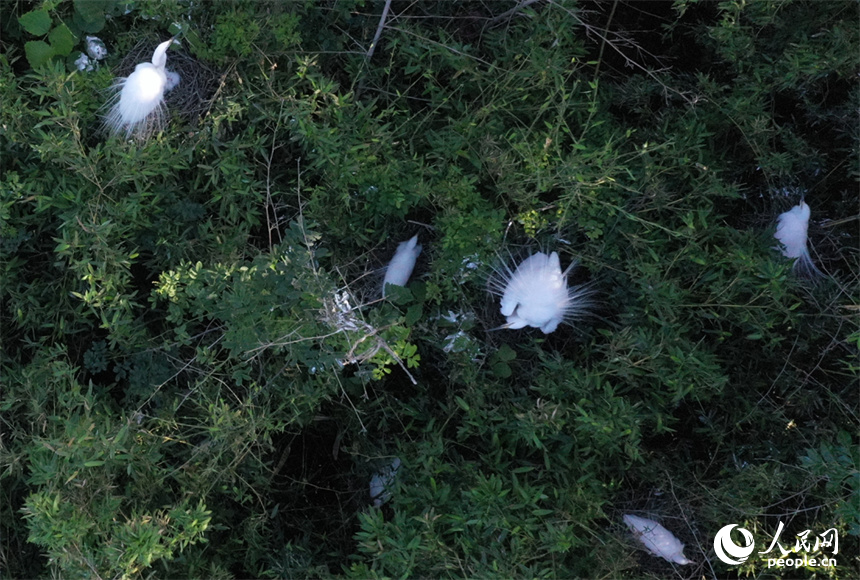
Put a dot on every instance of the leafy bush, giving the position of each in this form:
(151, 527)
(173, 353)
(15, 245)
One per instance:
(200, 374)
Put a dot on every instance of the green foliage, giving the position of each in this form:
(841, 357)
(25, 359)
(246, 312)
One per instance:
(64, 27)
(839, 467)
(36, 22)
(200, 374)
(95, 480)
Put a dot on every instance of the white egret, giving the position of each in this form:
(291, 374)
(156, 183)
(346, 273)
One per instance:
(401, 265)
(138, 106)
(382, 481)
(791, 230)
(657, 539)
(536, 294)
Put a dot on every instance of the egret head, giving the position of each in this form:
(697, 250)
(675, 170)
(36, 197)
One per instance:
(159, 57)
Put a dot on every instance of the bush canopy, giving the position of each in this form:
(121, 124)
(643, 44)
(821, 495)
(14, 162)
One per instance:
(201, 377)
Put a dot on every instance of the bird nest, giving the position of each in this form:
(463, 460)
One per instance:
(198, 83)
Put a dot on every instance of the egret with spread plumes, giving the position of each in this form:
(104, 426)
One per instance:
(791, 232)
(138, 107)
(401, 265)
(536, 294)
(657, 539)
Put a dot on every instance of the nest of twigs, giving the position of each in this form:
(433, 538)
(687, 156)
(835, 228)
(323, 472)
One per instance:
(198, 83)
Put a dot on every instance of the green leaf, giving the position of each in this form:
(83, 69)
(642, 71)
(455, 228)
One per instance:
(91, 10)
(36, 22)
(398, 294)
(120, 7)
(176, 28)
(91, 26)
(62, 40)
(419, 291)
(506, 353)
(192, 39)
(97, 463)
(501, 370)
(38, 52)
(461, 403)
(413, 314)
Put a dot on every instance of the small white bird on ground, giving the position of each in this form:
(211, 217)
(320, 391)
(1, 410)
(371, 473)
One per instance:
(401, 265)
(536, 294)
(657, 539)
(791, 230)
(138, 106)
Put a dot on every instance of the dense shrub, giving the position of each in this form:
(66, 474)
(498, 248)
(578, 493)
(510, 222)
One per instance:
(200, 378)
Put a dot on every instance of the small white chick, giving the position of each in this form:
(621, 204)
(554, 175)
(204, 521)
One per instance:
(401, 265)
(96, 48)
(657, 539)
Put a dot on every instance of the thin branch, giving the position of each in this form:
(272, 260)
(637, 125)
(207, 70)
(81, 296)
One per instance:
(270, 226)
(379, 29)
(496, 19)
(604, 41)
(455, 51)
(592, 30)
(830, 224)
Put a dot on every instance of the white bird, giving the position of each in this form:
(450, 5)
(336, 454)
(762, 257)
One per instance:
(96, 48)
(382, 481)
(536, 294)
(791, 229)
(401, 265)
(138, 106)
(657, 539)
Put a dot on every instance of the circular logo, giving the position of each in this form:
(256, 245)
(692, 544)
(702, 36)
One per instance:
(727, 550)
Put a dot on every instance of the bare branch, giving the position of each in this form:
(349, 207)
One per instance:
(508, 13)
(379, 29)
